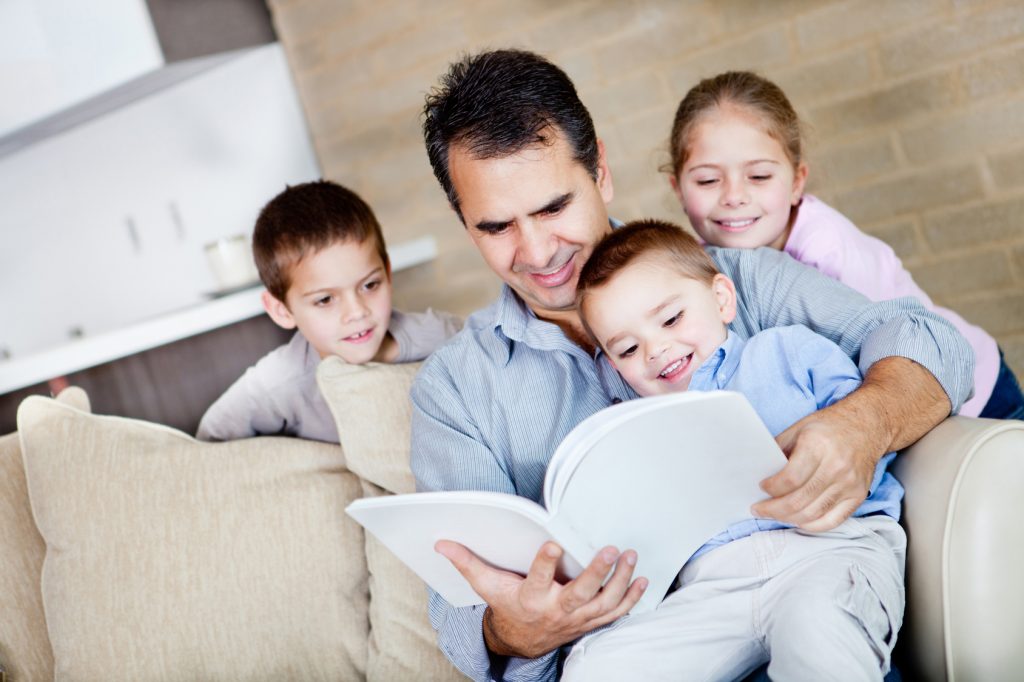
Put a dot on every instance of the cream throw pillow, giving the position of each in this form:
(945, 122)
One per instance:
(24, 645)
(171, 559)
(371, 407)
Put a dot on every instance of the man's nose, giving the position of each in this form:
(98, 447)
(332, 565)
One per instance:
(536, 247)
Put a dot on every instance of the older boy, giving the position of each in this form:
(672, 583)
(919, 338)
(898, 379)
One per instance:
(814, 605)
(320, 253)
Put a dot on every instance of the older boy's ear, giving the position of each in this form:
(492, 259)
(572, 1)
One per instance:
(725, 295)
(278, 311)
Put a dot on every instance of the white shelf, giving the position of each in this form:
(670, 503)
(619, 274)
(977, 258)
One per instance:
(95, 350)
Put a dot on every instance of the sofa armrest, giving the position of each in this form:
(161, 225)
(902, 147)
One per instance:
(963, 514)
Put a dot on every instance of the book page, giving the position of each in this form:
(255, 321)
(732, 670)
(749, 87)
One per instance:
(666, 479)
(506, 531)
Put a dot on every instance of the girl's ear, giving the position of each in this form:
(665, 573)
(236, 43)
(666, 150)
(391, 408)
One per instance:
(799, 182)
(673, 180)
(278, 311)
(725, 294)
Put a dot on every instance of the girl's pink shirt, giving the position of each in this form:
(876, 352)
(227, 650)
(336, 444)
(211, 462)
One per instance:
(826, 240)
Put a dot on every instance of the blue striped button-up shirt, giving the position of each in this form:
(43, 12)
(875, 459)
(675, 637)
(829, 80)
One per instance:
(490, 407)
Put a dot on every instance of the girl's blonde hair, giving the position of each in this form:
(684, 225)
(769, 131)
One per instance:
(742, 90)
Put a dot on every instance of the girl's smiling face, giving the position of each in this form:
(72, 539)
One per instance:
(738, 186)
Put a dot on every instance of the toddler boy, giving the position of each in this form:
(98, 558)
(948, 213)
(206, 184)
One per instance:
(320, 253)
(813, 605)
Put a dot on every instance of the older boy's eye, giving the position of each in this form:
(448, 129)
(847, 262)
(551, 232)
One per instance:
(373, 284)
(628, 352)
(323, 300)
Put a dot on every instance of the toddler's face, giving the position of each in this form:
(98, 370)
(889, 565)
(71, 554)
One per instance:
(340, 299)
(738, 186)
(658, 326)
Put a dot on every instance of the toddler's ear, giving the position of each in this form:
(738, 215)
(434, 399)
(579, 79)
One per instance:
(278, 311)
(725, 295)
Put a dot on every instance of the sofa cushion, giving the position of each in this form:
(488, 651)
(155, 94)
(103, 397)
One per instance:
(371, 407)
(24, 645)
(170, 559)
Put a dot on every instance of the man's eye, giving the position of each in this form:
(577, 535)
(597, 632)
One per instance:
(628, 352)
(493, 229)
(554, 210)
(672, 320)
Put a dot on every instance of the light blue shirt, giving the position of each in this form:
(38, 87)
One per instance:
(787, 373)
(490, 407)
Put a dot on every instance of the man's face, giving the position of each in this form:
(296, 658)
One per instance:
(535, 216)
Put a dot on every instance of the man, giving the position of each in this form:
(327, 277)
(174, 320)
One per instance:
(516, 152)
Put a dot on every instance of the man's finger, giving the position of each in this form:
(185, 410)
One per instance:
(483, 578)
(791, 489)
(587, 584)
(542, 570)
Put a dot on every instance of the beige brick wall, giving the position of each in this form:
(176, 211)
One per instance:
(915, 112)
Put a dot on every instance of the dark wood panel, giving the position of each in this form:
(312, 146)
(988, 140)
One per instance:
(171, 384)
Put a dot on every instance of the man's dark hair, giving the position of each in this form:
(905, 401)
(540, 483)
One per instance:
(498, 103)
(304, 219)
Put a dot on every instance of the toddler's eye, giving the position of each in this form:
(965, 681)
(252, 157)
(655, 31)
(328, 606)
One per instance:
(672, 320)
(628, 352)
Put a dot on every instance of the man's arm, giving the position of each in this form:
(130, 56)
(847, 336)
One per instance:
(917, 369)
(527, 619)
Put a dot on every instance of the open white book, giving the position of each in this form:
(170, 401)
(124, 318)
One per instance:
(660, 475)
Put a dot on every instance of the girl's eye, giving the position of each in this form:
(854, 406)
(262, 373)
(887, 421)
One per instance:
(628, 352)
(760, 178)
(705, 182)
(672, 320)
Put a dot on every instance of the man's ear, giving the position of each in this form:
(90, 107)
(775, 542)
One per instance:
(278, 311)
(604, 175)
(725, 295)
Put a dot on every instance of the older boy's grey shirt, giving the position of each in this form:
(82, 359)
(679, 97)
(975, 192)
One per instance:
(279, 394)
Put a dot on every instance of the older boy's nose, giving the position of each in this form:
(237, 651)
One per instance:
(354, 309)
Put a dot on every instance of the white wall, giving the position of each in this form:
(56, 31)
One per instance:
(212, 149)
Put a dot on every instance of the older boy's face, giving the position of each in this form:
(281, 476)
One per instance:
(340, 299)
(658, 326)
(535, 216)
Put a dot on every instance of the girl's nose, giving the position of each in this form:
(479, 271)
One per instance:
(734, 193)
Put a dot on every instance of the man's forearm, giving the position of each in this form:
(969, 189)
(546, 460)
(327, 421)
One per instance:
(899, 402)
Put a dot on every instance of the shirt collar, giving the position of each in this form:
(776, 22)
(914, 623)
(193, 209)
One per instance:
(718, 368)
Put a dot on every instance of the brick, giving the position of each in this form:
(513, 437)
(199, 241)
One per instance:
(646, 135)
(976, 224)
(901, 236)
(585, 25)
(898, 195)
(966, 132)
(1013, 352)
(1008, 169)
(842, 23)
(929, 44)
(844, 164)
(888, 105)
(835, 75)
(964, 274)
(670, 36)
(625, 98)
(741, 15)
(999, 314)
(760, 51)
(995, 74)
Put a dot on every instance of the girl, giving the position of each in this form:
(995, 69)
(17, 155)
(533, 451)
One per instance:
(737, 169)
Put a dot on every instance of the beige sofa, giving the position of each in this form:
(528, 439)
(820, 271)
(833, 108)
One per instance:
(131, 551)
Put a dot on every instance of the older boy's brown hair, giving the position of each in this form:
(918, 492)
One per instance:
(641, 240)
(304, 219)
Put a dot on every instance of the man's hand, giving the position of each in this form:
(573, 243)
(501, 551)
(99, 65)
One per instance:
(833, 452)
(528, 617)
